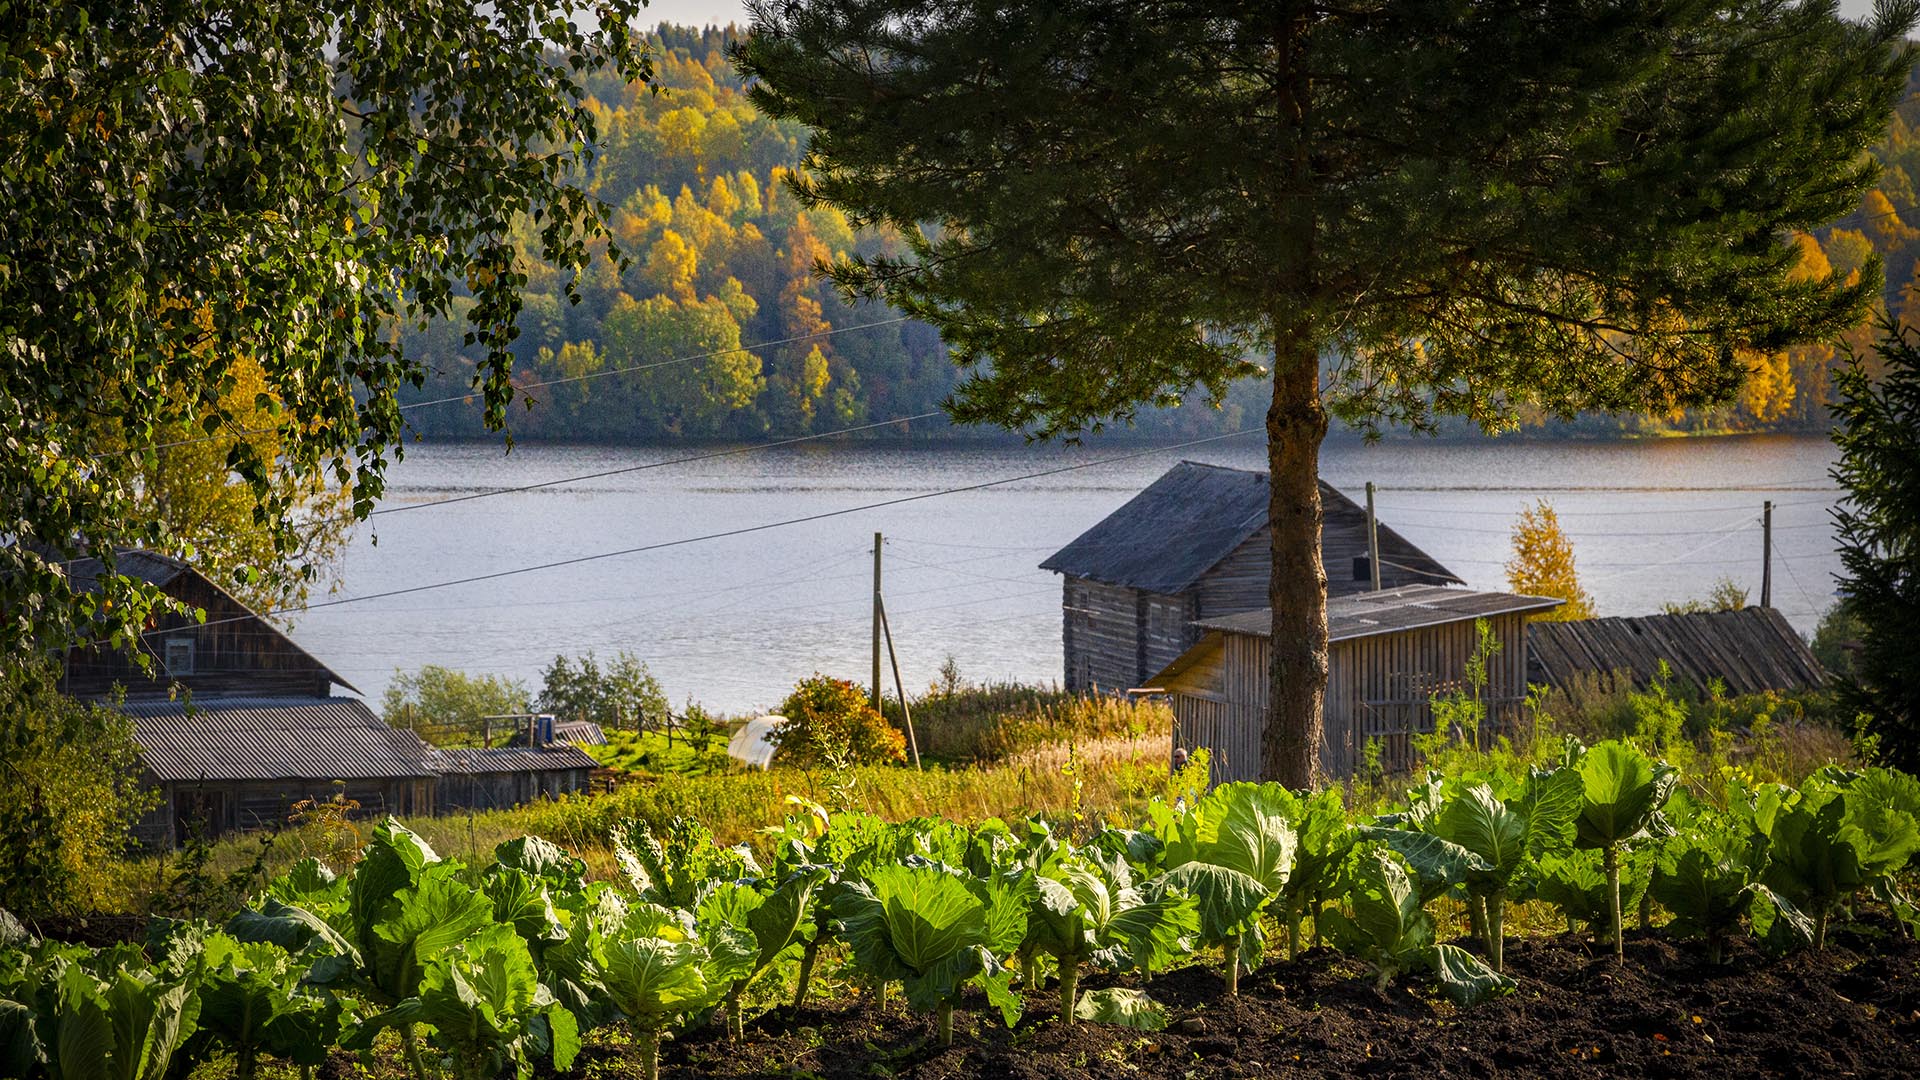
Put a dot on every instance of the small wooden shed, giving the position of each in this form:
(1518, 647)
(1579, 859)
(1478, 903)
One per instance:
(1388, 654)
(493, 778)
(1195, 545)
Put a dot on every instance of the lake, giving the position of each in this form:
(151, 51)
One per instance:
(733, 622)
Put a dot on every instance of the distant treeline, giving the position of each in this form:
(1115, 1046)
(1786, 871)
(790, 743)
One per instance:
(722, 255)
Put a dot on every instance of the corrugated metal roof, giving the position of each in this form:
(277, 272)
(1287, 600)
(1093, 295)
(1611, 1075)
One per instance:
(1391, 610)
(468, 761)
(585, 732)
(272, 739)
(1750, 650)
(1181, 525)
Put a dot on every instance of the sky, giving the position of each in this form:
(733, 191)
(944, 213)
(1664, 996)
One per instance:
(721, 12)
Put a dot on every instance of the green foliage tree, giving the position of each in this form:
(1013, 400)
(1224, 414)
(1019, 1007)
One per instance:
(69, 792)
(1111, 203)
(1878, 526)
(446, 706)
(623, 695)
(200, 183)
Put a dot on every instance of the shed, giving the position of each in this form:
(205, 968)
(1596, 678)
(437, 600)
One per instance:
(1388, 653)
(1750, 650)
(240, 763)
(492, 778)
(1194, 545)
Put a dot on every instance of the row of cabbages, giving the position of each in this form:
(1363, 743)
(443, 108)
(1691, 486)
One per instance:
(487, 970)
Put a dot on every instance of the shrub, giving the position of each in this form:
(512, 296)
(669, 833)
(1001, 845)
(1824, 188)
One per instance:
(69, 793)
(445, 706)
(621, 695)
(832, 721)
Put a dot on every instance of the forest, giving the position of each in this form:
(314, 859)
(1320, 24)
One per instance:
(720, 255)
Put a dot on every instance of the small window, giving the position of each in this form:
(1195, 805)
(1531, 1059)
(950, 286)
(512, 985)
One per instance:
(179, 656)
(1362, 568)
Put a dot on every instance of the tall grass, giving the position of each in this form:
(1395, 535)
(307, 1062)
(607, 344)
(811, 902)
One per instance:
(992, 722)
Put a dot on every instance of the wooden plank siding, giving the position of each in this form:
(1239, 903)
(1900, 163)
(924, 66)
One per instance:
(234, 652)
(1379, 687)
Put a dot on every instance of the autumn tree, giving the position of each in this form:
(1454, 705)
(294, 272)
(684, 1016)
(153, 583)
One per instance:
(196, 186)
(1542, 564)
(1401, 209)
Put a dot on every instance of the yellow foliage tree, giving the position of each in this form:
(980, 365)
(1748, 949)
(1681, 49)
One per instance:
(1542, 564)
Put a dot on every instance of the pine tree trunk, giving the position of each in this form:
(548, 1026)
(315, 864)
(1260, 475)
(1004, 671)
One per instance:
(1296, 423)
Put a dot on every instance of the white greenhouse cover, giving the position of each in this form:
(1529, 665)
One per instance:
(752, 744)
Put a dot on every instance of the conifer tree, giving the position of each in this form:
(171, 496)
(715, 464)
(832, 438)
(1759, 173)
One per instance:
(1542, 564)
(1878, 524)
(1402, 209)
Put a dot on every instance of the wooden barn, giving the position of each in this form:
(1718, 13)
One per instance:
(236, 723)
(1749, 651)
(492, 778)
(226, 763)
(1388, 653)
(234, 652)
(1194, 545)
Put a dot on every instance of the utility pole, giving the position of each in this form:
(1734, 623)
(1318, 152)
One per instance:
(900, 688)
(877, 541)
(1766, 553)
(1373, 540)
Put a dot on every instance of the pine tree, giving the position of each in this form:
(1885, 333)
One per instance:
(1878, 525)
(1466, 208)
(1542, 564)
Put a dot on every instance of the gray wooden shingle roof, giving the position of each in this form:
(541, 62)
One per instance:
(1391, 610)
(1167, 537)
(1750, 650)
(272, 738)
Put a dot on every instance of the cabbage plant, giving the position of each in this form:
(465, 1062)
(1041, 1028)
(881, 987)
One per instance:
(254, 1000)
(1622, 791)
(485, 1010)
(934, 930)
(775, 916)
(1233, 852)
(1086, 909)
(1827, 842)
(1505, 835)
(1391, 930)
(657, 969)
(115, 1017)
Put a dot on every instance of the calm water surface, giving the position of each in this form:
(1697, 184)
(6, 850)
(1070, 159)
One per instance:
(733, 622)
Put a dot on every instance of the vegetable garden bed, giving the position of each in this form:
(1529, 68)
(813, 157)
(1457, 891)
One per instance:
(1853, 1010)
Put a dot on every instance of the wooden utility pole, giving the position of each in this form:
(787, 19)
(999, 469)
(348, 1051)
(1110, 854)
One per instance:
(900, 688)
(878, 615)
(1373, 540)
(1766, 553)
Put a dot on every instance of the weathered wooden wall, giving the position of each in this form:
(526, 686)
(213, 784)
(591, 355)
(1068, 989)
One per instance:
(229, 805)
(1378, 688)
(499, 790)
(234, 652)
(1115, 637)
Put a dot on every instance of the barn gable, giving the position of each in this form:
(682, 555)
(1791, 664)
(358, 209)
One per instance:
(234, 652)
(1194, 545)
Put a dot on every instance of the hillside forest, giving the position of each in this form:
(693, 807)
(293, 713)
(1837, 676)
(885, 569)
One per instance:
(719, 255)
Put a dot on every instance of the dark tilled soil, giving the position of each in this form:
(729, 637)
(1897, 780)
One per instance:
(1853, 1011)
